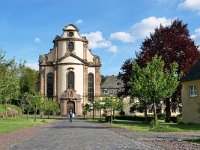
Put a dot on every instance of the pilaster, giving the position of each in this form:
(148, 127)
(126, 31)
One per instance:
(85, 85)
(97, 83)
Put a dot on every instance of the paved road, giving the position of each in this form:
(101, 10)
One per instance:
(78, 135)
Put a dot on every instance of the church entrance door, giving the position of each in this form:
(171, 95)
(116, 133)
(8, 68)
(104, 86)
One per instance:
(71, 106)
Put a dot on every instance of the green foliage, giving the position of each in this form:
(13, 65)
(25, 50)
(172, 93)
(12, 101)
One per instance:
(12, 110)
(153, 83)
(176, 119)
(28, 80)
(135, 118)
(163, 128)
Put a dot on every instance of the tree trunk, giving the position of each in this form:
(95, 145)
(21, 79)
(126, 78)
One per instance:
(154, 113)
(27, 113)
(6, 111)
(167, 109)
(145, 113)
(41, 114)
(48, 114)
(35, 113)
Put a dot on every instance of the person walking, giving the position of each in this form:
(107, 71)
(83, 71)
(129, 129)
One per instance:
(70, 115)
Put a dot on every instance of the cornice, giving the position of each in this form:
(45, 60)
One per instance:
(70, 39)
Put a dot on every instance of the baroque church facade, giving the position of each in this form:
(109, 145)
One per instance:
(70, 73)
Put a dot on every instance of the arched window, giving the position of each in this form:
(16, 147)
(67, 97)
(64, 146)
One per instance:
(50, 85)
(70, 80)
(90, 87)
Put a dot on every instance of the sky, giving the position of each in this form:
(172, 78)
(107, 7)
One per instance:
(115, 28)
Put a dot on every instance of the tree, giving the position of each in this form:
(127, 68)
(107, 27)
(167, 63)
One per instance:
(10, 73)
(125, 76)
(26, 102)
(172, 43)
(103, 78)
(28, 80)
(154, 83)
(51, 105)
(112, 103)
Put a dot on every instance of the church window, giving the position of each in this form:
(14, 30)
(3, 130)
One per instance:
(91, 87)
(50, 85)
(71, 46)
(70, 80)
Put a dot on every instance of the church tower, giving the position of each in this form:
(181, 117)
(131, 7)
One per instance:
(70, 73)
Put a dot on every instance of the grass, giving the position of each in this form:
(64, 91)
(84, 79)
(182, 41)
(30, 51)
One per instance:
(20, 122)
(138, 126)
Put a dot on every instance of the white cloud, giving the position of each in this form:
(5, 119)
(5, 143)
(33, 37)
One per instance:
(196, 36)
(33, 65)
(147, 26)
(96, 40)
(79, 21)
(37, 40)
(122, 36)
(193, 5)
(113, 48)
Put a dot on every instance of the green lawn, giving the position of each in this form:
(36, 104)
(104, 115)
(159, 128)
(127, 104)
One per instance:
(20, 122)
(138, 126)
(141, 127)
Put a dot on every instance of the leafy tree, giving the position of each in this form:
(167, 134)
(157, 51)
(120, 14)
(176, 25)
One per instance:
(28, 80)
(36, 104)
(125, 76)
(9, 79)
(103, 78)
(113, 103)
(86, 108)
(172, 43)
(51, 105)
(153, 82)
(26, 102)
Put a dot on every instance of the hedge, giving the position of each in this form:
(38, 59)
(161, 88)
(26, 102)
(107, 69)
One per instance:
(135, 118)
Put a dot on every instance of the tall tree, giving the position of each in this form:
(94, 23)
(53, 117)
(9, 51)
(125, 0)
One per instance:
(125, 76)
(173, 44)
(154, 83)
(28, 80)
(10, 73)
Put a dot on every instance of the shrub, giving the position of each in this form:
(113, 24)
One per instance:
(163, 128)
(176, 119)
(135, 118)
(122, 113)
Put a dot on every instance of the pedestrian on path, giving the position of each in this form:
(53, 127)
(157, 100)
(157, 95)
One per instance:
(70, 115)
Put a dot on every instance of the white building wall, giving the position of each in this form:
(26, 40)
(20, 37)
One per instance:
(51, 55)
(62, 48)
(89, 56)
(62, 78)
(79, 49)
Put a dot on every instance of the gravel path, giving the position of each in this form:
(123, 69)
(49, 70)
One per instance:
(85, 135)
(78, 135)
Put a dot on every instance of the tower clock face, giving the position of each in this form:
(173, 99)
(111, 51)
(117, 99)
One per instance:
(71, 34)
(71, 46)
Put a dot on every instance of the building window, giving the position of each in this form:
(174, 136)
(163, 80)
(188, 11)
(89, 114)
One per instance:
(70, 79)
(193, 91)
(71, 46)
(50, 85)
(105, 91)
(90, 87)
